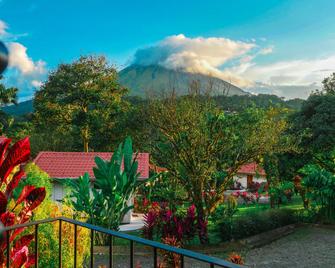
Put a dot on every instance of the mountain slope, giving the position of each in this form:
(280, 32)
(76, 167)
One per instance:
(141, 79)
(22, 108)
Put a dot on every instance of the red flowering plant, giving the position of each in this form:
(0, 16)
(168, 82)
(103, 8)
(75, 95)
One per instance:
(161, 222)
(17, 211)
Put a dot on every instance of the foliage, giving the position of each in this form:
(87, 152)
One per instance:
(203, 147)
(163, 188)
(160, 222)
(281, 193)
(48, 233)
(226, 212)
(83, 238)
(17, 210)
(239, 103)
(320, 185)
(80, 99)
(255, 222)
(115, 183)
(170, 259)
(316, 123)
(7, 96)
(328, 84)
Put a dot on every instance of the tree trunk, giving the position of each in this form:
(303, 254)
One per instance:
(85, 136)
(85, 146)
(202, 224)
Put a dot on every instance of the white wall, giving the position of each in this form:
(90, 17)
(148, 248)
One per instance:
(57, 191)
(242, 178)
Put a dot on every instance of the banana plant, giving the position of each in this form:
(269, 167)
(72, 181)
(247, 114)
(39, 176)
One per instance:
(115, 183)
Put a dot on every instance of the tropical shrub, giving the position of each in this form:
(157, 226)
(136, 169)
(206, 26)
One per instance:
(17, 210)
(320, 184)
(48, 233)
(164, 188)
(116, 181)
(161, 222)
(83, 238)
(254, 223)
(281, 193)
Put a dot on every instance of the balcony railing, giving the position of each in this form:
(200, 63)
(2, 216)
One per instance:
(211, 261)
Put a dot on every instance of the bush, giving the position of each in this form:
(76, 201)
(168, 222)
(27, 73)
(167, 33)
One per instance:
(48, 233)
(256, 222)
(160, 222)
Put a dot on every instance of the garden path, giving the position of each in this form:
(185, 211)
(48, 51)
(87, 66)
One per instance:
(306, 247)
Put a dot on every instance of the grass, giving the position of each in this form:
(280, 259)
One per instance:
(296, 203)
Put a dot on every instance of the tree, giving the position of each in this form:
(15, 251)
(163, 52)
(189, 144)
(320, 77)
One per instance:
(79, 98)
(7, 96)
(329, 84)
(203, 147)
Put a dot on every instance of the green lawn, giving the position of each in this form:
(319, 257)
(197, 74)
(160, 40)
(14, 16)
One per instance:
(296, 203)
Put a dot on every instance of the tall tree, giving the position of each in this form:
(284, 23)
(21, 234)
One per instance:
(80, 98)
(7, 96)
(328, 84)
(203, 147)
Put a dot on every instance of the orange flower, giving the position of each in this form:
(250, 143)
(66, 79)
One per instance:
(235, 258)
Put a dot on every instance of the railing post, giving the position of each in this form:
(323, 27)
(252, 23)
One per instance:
(8, 248)
(155, 257)
(212, 265)
(60, 244)
(181, 261)
(75, 247)
(110, 251)
(92, 240)
(131, 253)
(36, 246)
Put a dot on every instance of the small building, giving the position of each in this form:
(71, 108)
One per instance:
(71, 165)
(249, 174)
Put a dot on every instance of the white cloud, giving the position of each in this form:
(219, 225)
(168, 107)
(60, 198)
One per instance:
(296, 72)
(36, 83)
(196, 55)
(3, 28)
(23, 71)
(266, 51)
(18, 58)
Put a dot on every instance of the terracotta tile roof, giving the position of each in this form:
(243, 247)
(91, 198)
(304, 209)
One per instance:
(62, 165)
(251, 168)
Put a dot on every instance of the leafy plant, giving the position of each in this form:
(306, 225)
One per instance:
(48, 233)
(255, 222)
(115, 183)
(281, 193)
(321, 189)
(164, 188)
(162, 222)
(19, 210)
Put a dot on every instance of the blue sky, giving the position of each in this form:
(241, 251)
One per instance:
(282, 47)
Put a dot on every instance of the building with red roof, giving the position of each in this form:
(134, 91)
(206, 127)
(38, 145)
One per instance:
(71, 165)
(250, 173)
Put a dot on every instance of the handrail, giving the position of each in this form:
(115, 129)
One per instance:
(156, 245)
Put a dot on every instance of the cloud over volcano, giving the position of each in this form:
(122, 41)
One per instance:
(197, 55)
